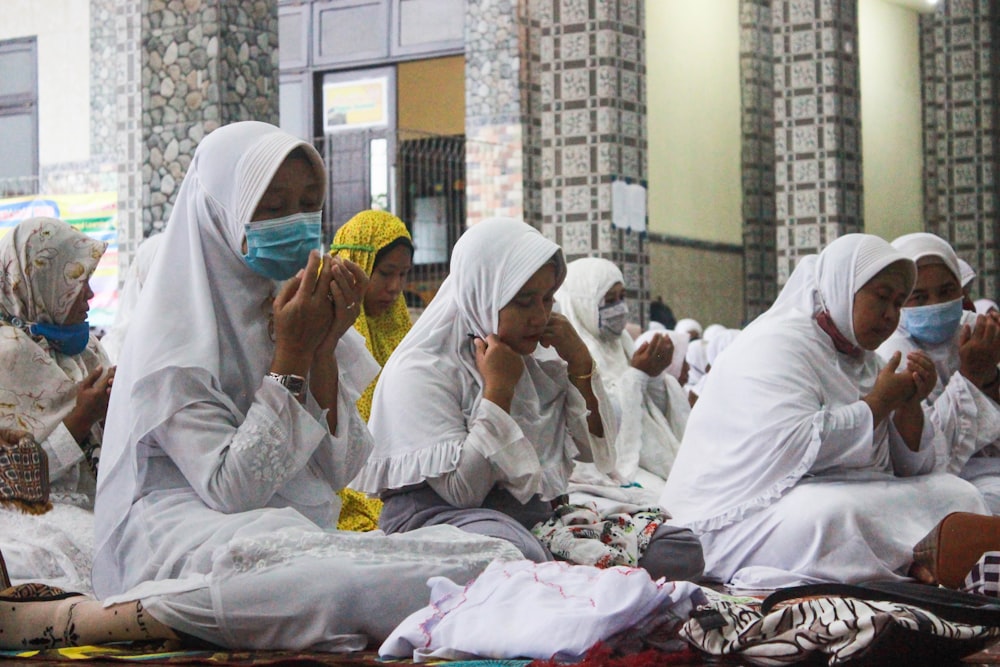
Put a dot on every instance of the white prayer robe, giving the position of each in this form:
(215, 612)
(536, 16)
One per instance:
(216, 501)
(782, 472)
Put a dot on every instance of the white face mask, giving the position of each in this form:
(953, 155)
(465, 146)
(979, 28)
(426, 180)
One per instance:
(611, 319)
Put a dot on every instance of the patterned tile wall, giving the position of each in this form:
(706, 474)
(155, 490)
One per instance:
(495, 74)
(587, 127)
(758, 158)
(960, 83)
(185, 68)
(129, 130)
(817, 127)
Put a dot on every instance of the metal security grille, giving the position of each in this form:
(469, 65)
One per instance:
(419, 177)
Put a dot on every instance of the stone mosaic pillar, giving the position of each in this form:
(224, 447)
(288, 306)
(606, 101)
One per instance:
(494, 94)
(186, 67)
(588, 108)
(817, 141)
(961, 79)
(758, 157)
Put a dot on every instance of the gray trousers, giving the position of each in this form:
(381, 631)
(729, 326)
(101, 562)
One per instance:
(673, 552)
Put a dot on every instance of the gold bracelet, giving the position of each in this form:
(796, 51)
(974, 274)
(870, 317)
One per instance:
(593, 369)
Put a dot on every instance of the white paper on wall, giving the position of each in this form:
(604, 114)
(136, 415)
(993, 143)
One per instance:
(628, 206)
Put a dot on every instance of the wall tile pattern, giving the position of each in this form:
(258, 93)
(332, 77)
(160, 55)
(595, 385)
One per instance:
(961, 74)
(817, 140)
(495, 103)
(758, 156)
(586, 128)
(185, 68)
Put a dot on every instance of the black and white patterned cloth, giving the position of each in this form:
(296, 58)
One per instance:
(840, 629)
(984, 577)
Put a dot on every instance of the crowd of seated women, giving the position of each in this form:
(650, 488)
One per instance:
(282, 460)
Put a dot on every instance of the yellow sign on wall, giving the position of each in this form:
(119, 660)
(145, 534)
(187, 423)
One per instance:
(353, 105)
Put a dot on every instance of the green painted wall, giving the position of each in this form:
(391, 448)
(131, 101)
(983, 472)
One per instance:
(891, 140)
(693, 95)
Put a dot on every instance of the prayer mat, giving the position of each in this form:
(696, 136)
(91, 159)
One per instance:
(115, 654)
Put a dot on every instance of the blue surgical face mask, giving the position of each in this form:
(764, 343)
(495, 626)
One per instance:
(611, 319)
(68, 339)
(933, 324)
(278, 248)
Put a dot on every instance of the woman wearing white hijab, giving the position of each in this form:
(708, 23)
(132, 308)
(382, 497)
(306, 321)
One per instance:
(689, 326)
(714, 346)
(652, 409)
(793, 462)
(234, 423)
(473, 427)
(54, 383)
(135, 278)
(965, 349)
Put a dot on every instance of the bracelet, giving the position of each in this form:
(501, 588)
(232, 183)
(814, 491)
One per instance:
(593, 369)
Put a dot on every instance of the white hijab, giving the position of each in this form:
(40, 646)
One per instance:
(926, 249)
(689, 326)
(135, 278)
(202, 306)
(579, 298)
(45, 263)
(647, 438)
(753, 433)
(431, 387)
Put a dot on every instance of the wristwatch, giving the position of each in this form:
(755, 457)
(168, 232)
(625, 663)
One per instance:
(293, 383)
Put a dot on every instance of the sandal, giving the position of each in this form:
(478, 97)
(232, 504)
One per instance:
(28, 592)
(956, 544)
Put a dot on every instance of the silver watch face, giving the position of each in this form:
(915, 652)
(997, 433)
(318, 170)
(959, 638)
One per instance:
(292, 383)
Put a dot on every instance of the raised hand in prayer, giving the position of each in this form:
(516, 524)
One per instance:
(302, 317)
(979, 352)
(92, 396)
(899, 394)
(924, 374)
(501, 367)
(653, 356)
(346, 291)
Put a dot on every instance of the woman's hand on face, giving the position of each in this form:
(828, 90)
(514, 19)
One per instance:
(921, 369)
(303, 315)
(501, 367)
(979, 350)
(653, 356)
(560, 334)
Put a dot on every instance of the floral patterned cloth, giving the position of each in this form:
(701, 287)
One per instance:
(583, 535)
(359, 241)
(44, 264)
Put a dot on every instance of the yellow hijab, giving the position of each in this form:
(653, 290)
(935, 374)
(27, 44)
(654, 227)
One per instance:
(360, 240)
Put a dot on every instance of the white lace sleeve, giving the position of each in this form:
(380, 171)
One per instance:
(236, 463)
(63, 451)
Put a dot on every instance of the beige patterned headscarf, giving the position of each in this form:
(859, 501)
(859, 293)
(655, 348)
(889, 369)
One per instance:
(44, 264)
